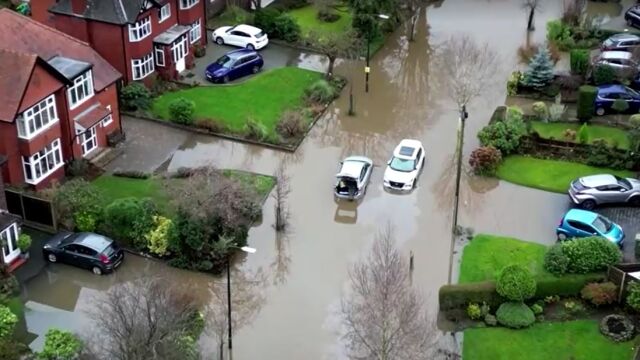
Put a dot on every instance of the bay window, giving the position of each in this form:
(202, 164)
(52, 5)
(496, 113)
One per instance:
(81, 90)
(187, 4)
(41, 164)
(37, 118)
(142, 67)
(196, 31)
(140, 30)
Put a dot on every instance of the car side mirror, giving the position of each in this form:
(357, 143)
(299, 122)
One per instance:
(623, 190)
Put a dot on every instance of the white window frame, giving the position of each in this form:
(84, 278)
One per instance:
(188, 4)
(45, 109)
(107, 120)
(10, 242)
(83, 82)
(164, 13)
(140, 30)
(196, 30)
(36, 161)
(159, 54)
(86, 138)
(145, 66)
(180, 48)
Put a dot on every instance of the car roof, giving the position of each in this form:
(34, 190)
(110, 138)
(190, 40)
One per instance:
(407, 149)
(352, 166)
(598, 180)
(234, 54)
(634, 8)
(93, 241)
(623, 37)
(615, 55)
(611, 88)
(581, 215)
(251, 30)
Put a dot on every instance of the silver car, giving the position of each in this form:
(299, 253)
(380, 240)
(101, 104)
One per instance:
(590, 191)
(621, 42)
(353, 177)
(621, 61)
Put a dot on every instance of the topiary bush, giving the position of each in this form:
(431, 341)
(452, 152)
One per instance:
(586, 102)
(516, 283)
(181, 111)
(24, 242)
(515, 315)
(600, 293)
(555, 261)
(590, 254)
(505, 135)
(485, 160)
(579, 59)
(8, 321)
(541, 111)
(633, 297)
(60, 345)
(135, 96)
(459, 296)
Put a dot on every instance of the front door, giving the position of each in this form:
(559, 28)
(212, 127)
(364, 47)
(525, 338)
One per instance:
(179, 51)
(9, 238)
(88, 140)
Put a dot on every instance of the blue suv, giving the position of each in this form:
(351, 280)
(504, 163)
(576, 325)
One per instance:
(582, 223)
(234, 64)
(608, 94)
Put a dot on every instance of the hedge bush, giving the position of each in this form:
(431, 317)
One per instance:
(516, 283)
(590, 254)
(277, 24)
(60, 345)
(565, 285)
(505, 135)
(74, 197)
(555, 261)
(515, 315)
(8, 321)
(600, 293)
(586, 102)
(633, 297)
(485, 160)
(135, 96)
(158, 237)
(181, 111)
(579, 59)
(458, 296)
(129, 220)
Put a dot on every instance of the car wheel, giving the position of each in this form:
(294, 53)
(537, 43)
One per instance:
(96, 270)
(599, 111)
(251, 47)
(52, 258)
(255, 69)
(562, 236)
(225, 79)
(219, 41)
(588, 204)
(634, 201)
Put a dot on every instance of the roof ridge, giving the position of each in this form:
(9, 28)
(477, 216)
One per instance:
(17, 52)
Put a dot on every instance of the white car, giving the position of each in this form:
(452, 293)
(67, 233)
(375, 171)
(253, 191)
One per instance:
(353, 178)
(244, 36)
(404, 166)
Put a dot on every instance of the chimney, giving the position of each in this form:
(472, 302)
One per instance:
(78, 6)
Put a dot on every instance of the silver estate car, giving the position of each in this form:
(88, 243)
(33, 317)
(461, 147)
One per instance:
(590, 191)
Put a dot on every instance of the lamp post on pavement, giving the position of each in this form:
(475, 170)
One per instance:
(248, 250)
(367, 69)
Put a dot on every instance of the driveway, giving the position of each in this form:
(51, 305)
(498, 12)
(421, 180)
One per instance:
(274, 55)
(629, 219)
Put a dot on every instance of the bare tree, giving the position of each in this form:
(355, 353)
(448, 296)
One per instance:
(333, 45)
(145, 319)
(280, 195)
(531, 6)
(384, 316)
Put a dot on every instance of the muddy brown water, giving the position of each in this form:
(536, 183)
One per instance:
(287, 294)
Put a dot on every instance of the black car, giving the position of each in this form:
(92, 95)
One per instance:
(86, 250)
(632, 16)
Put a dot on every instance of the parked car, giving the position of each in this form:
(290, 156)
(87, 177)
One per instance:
(621, 42)
(582, 223)
(86, 250)
(245, 36)
(608, 94)
(621, 61)
(632, 16)
(353, 177)
(590, 191)
(404, 166)
(233, 65)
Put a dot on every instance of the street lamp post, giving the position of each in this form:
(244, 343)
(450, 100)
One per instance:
(367, 69)
(460, 143)
(248, 250)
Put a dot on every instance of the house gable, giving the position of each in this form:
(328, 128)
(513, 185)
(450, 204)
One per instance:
(42, 83)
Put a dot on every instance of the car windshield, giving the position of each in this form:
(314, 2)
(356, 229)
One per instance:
(400, 164)
(608, 42)
(602, 224)
(623, 182)
(631, 92)
(225, 61)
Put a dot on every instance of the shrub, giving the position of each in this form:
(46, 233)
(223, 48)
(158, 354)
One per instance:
(633, 297)
(555, 261)
(460, 295)
(551, 299)
(60, 345)
(199, 51)
(579, 60)
(601, 154)
(485, 160)
(540, 71)
(515, 315)
(516, 283)
(181, 111)
(565, 285)
(557, 110)
(590, 254)
(278, 25)
(291, 124)
(24, 242)
(490, 320)
(513, 83)
(327, 15)
(573, 308)
(158, 237)
(634, 120)
(537, 309)
(600, 293)
(76, 196)
(504, 135)
(78, 167)
(541, 111)
(586, 102)
(212, 125)
(135, 96)
(603, 75)
(525, 53)
(569, 82)
(265, 19)
(320, 92)
(8, 321)
(254, 130)
(619, 106)
(197, 324)
(557, 31)
(474, 312)
(583, 134)
(129, 220)
(85, 221)
(236, 15)
(569, 135)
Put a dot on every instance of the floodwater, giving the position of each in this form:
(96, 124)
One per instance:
(286, 296)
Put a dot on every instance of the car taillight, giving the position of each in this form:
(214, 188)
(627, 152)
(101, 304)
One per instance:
(104, 259)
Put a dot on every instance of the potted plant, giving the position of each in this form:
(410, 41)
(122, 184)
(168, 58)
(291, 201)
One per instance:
(24, 243)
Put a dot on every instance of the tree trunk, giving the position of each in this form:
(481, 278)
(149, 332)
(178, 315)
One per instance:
(413, 27)
(530, 26)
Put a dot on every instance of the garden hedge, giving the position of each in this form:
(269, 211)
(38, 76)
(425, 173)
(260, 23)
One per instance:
(586, 102)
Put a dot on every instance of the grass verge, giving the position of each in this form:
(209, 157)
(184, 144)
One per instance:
(548, 175)
(612, 135)
(263, 99)
(579, 339)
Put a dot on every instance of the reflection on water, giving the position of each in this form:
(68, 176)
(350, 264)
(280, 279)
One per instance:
(346, 212)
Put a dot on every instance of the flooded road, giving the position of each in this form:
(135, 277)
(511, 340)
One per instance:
(287, 294)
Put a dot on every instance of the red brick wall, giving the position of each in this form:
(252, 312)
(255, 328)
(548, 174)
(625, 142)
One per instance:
(40, 11)
(3, 200)
(108, 41)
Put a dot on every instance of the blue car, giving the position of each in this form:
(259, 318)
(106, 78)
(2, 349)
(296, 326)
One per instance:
(582, 223)
(233, 65)
(608, 94)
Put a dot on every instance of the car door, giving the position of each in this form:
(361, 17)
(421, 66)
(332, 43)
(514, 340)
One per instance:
(71, 254)
(239, 67)
(242, 38)
(86, 256)
(233, 38)
(420, 159)
(580, 229)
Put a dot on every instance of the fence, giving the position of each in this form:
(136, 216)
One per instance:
(619, 275)
(35, 212)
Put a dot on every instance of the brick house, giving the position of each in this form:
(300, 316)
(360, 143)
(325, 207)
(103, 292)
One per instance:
(137, 37)
(9, 227)
(59, 100)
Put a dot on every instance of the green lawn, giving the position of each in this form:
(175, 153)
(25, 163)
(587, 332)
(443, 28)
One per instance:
(556, 130)
(262, 183)
(549, 175)
(579, 340)
(307, 18)
(263, 98)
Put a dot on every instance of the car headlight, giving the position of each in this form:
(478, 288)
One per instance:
(407, 186)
